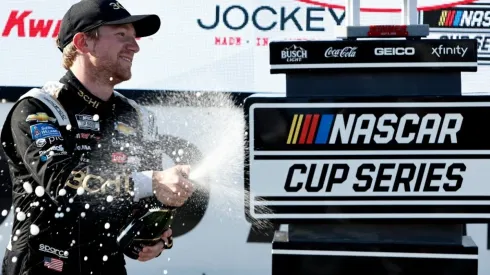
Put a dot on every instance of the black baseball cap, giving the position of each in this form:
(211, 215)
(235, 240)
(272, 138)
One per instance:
(86, 15)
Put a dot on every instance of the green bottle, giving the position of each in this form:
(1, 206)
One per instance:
(146, 230)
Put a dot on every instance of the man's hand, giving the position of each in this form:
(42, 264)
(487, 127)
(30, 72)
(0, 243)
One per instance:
(171, 186)
(150, 252)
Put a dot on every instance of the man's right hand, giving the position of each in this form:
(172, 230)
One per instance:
(172, 186)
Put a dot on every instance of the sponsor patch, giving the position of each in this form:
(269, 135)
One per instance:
(43, 130)
(119, 157)
(51, 154)
(40, 117)
(52, 140)
(83, 148)
(83, 135)
(52, 250)
(40, 142)
(124, 129)
(87, 136)
(86, 122)
(58, 148)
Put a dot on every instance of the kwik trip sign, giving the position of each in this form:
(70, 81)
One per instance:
(417, 54)
(410, 158)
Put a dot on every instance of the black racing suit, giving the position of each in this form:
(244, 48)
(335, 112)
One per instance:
(74, 177)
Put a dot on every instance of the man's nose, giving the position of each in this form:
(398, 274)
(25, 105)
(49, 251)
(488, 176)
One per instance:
(133, 46)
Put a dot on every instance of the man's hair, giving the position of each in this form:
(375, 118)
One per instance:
(70, 51)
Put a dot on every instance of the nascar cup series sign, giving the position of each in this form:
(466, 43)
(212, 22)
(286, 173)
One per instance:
(413, 158)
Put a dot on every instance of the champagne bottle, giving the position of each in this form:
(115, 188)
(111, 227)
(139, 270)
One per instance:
(146, 230)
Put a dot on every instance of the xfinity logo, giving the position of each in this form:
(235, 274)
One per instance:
(394, 51)
(441, 50)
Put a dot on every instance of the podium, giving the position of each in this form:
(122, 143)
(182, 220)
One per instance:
(373, 158)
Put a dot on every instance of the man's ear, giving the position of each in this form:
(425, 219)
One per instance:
(81, 42)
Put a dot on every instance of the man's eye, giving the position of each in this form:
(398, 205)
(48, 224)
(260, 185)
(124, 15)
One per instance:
(121, 34)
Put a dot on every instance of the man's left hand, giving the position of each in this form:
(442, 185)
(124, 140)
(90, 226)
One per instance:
(150, 252)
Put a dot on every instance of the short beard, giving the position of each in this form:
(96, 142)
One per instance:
(105, 73)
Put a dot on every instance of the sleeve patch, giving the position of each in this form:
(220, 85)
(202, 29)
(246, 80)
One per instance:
(44, 130)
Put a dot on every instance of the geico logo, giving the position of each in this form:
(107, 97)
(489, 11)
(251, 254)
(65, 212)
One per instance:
(52, 250)
(94, 183)
(395, 51)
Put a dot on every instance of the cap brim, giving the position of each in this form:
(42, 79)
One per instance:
(144, 25)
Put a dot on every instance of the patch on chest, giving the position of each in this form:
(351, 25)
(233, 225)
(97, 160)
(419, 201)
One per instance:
(124, 129)
(87, 122)
(119, 157)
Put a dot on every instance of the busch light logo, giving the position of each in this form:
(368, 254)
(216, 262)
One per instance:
(294, 54)
(346, 52)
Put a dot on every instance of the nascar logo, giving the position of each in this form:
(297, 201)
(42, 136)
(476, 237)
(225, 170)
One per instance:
(431, 128)
(464, 18)
(304, 127)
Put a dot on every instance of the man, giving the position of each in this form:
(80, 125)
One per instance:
(76, 149)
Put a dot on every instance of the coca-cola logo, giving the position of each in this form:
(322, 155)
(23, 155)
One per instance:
(346, 52)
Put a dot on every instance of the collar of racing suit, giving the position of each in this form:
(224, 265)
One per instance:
(77, 94)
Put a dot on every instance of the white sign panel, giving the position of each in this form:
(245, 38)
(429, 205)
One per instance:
(368, 160)
(390, 178)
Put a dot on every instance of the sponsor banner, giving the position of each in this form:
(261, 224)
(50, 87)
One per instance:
(217, 45)
(372, 54)
(483, 41)
(414, 158)
(468, 21)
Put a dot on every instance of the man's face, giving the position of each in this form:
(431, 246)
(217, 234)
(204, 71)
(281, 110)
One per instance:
(113, 53)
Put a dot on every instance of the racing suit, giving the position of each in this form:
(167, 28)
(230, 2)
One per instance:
(74, 162)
